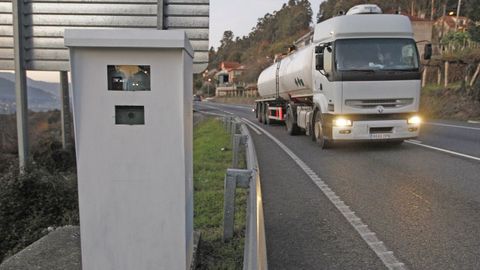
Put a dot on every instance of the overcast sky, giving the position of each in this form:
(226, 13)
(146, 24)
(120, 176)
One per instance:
(241, 16)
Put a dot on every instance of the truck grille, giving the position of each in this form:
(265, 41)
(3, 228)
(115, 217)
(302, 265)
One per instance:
(373, 103)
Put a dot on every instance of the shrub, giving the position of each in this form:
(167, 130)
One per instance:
(6, 162)
(31, 202)
(49, 154)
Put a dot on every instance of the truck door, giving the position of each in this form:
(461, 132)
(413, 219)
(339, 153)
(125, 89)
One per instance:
(322, 90)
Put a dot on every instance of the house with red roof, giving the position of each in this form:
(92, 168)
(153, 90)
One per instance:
(228, 83)
(446, 24)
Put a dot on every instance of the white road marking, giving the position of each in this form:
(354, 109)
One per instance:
(253, 128)
(443, 150)
(210, 113)
(420, 197)
(382, 252)
(243, 107)
(448, 125)
(218, 109)
(417, 141)
(217, 114)
(473, 122)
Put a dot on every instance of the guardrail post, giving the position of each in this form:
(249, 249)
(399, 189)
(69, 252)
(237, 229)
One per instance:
(234, 127)
(229, 207)
(229, 123)
(235, 149)
(238, 141)
(237, 127)
(233, 178)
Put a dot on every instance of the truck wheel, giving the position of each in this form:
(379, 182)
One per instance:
(318, 132)
(267, 114)
(396, 142)
(260, 112)
(292, 128)
(264, 113)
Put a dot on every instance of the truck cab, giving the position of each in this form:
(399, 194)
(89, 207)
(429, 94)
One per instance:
(363, 80)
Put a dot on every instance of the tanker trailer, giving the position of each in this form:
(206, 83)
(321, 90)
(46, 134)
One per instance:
(359, 80)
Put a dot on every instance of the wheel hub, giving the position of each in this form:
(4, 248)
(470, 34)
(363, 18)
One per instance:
(318, 131)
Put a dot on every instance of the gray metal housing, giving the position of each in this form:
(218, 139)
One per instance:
(45, 20)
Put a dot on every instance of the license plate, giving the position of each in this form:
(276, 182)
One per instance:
(380, 136)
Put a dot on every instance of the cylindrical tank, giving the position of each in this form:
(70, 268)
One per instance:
(295, 75)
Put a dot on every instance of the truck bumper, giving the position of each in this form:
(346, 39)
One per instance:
(376, 131)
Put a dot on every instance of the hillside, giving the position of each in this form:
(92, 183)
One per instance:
(273, 34)
(456, 102)
(49, 87)
(42, 96)
(418, 8)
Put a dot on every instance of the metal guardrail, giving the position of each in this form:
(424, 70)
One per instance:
(255, 252)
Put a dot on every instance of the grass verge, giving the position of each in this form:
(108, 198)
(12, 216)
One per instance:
(456, 102)
(210, 165)
(432, 88)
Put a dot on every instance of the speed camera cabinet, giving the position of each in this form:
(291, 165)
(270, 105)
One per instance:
(133, 131)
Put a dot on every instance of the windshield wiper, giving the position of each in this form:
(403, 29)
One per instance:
(400, 69)
(362, 70)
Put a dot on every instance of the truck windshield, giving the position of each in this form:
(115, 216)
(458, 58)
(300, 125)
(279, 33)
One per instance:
(376, 54)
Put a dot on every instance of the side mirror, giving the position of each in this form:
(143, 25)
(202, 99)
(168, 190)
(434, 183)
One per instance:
(427, 52)
(319, 61)
(319, 49)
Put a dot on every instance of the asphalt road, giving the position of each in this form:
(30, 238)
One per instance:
(420, 199)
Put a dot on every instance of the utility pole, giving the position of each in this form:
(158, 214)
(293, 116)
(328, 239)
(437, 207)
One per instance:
(458, 14)
(208, 89)
(443, 22)
(433, 10)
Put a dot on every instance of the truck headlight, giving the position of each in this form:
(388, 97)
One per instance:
(342, 122)
(414, 120)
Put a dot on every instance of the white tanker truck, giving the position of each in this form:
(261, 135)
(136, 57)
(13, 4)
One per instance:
(359, 80)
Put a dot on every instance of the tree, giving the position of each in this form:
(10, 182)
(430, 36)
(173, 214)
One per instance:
(330, 8)
(227, 39)
(472, 9)
(272, 34)
(325, 11)
(474, 31)
(455, 41)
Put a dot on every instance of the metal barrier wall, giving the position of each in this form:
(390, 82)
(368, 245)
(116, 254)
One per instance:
(43, 23)
(255, 253)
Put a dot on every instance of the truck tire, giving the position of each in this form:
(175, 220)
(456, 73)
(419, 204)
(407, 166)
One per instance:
(292, 127)
(395, 142)
(267, 114)
(260, 112)
(318, 131)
